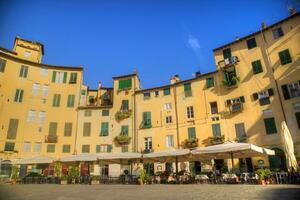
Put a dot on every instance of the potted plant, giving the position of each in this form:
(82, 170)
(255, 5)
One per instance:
(63, 180)
(122, 139)
(95, 180)
(73, 173)
(122, 114)
(143, 177)
(14, 174)
(263, 175)
(190, 143)
(57, 169)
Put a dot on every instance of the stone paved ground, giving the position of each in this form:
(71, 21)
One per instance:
(157, 192)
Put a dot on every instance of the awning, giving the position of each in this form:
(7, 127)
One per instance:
(231, 149)
(167, 156)
(119, 158)
(34, 160)
(79, 157)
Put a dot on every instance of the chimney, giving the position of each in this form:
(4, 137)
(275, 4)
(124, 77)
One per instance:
(292, 10)
(175, 79)
(263, 25)
(197, 73)
(237, 38)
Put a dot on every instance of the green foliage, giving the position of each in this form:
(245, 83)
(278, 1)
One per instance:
(64, 178)
(190, 143)
(95, 178)
(263, 173)
(122, 114)
(144, 176)
(14, 172)
(74, 172)
(57, 169)
(214, 140)
(122, 139)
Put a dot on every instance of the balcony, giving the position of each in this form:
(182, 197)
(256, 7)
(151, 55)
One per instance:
(230, 78)
(227, 62)
(122, 139)
(236, 104)
(214, 140)
(190, 143)
(122, 114)
(50, 139)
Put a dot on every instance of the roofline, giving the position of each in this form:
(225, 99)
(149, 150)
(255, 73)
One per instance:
(257, 32)
(40, 64)
(177, 83)
(8, 51)
(124, 76)
(30, 41)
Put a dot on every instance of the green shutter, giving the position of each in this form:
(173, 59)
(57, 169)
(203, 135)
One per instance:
(66, 148)
(12, 129)
(17, 95)
(297, 114)
(124, 130)
(86, 129)
(52, 129)
(25, 71)
(105, 112)
(227, 53)
(210, 82)
(251, 43)
(9, 146)
(98, 148)
(104, 129)
(73, 78)
(71, 99)
(68, 129)
(256, 66)
(65, 77)
(125, 105)
(167, 91)
(53, 76)
(285, 57)
(146, 120)
(109, 148)
(270, 125)
(125, 84)
(216, 130)
(21, 96)
(51, 148)
(192, 133)
(2, 65)
(56, 100)
(124, 148)
(187, 90)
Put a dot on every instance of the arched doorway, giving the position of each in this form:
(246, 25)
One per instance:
(277, 161)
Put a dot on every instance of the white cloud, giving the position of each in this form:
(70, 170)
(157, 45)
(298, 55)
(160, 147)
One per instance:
(193, 43)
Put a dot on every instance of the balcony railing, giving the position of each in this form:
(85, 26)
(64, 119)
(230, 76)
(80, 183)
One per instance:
(50, 139)
(228, 62)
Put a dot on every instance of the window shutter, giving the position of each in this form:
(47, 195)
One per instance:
(270, 125)
(109, 148)
(228, 102)
(53, 76)
(12, 129)
(285, 92)
(271, 92)
(65, 77)
(17, 95)
(191, 133)
(21, 95)
(297, 114)
(255, 96)
(242, 98)
(25, 71)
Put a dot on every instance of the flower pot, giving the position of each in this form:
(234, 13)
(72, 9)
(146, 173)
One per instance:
(95, 182)
(141, 182)
(63, 182)
(263, 182)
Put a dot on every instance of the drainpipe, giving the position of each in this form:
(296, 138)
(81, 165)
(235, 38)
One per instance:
(176, 115)
(134, 148)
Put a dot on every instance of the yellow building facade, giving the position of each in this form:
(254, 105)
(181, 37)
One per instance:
(47, 110)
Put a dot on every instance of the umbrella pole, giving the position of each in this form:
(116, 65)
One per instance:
(130, 171)
(176, 162)
(232, 161)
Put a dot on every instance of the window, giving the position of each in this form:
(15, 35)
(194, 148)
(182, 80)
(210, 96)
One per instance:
(190, 112)
(168, 119)
(104, 129)
(187, 89)
(66, 148)
(37, 147)
(263, 96)
(264, 101)
(227, 53)
(214, 107)
(44, 71)
(12, 129)
(240, 130)
(45, 90)
(192, 133)
(125, 105)
(124, 130)
(256, 67)
(19, 95)
(42, 116)
(86, 129)
(87, 113)
(23, 71)
(147, 95)
(210, 82)
(26, 147)
(83, 92)
(125, 84)
(9, 146)
(73, 78)
(56, 100)
(124, 148)
(68, 129)
(35, 89)
(167, 91)
(85, 148)
(297, 115)
(169, 141)
(148, 143)
(71, 100)
(59, 77)
(270, 125)
(50, 148)
(156, 93)
(31, 115)
(2, 65)
(277, 33)
(105, 112)
(52, 128)
(146, 123)
(103, 148)
(251, 43)
(285, 57)
(291, 90)
(167, 106)
(216, 129)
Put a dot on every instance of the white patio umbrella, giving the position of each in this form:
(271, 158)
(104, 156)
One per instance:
(288, 146)
(230, 150)
(167, 156)
(80, 157)
(119, 158)
(34, 160)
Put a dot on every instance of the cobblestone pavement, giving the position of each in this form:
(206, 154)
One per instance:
(157, 192)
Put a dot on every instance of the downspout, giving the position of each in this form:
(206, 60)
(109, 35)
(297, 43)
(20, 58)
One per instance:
(134, 148)
(176, 116)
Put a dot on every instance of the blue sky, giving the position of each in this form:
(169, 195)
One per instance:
(157, 38)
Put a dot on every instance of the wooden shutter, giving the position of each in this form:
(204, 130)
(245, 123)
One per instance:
(227, 53)
(255, 96)
(109, 148)
(271, 92)
(53, 128)
(68, 129)
(124, 130)
(242, 98)
(53, 76)
(65, 77)
(270, 125)
(285, 92)
(192, 133)
(86, 129)
(12, 129)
